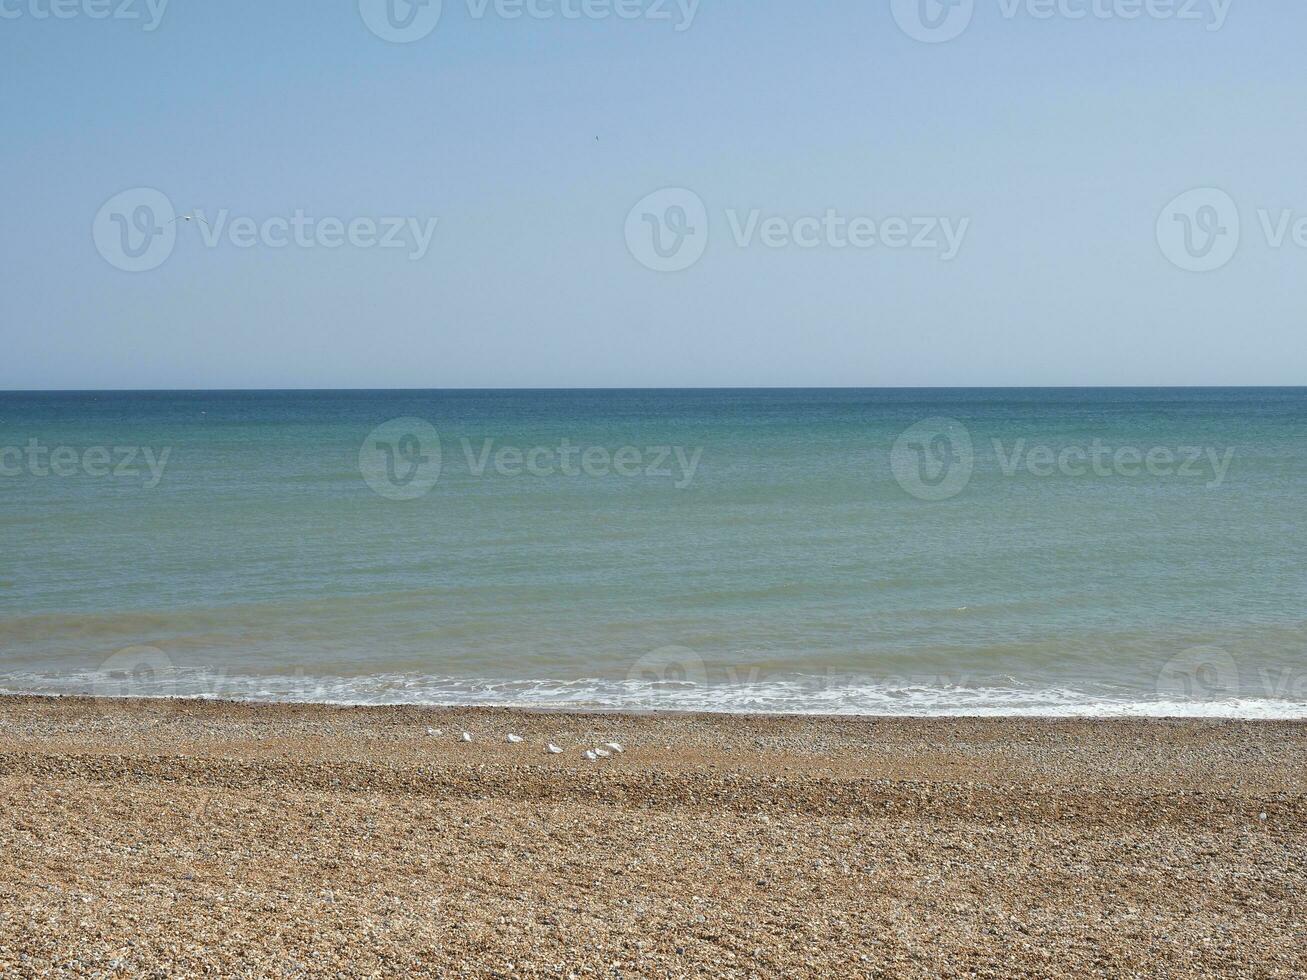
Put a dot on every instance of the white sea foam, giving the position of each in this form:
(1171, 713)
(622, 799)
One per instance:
(794, 695)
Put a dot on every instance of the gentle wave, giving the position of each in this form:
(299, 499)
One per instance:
(796, 550)
(797, 696)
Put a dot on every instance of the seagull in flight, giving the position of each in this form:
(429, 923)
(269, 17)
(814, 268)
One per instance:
(189, 217)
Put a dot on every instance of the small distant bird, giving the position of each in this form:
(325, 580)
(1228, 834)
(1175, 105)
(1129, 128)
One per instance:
(189, 217)
(615, 746)
(514, 739)
(465, 737)
(553, 749)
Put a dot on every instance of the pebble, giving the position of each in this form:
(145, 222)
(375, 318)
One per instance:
(514, 739)
(465, 737)
(954, 892)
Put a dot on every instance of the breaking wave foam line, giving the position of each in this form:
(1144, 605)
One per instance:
(798, 697)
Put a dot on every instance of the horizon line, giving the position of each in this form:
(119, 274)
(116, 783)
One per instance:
(578, 388)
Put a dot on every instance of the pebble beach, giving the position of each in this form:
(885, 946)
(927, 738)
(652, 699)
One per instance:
(197, 838)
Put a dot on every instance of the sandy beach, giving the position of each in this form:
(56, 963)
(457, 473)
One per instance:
(150, 838)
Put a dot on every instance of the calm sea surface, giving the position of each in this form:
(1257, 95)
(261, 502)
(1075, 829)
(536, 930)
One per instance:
(879, 551)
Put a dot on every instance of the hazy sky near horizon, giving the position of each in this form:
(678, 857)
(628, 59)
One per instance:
(1032, 159)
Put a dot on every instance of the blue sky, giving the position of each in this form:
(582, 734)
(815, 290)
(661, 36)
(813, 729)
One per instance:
(1060, 141)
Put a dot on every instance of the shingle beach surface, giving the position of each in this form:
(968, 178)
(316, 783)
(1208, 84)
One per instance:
(215, 839)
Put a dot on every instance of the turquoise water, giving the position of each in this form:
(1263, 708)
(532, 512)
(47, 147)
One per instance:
(881, 551)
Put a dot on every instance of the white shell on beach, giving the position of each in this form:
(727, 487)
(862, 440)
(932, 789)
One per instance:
(615, 747)
(553, 749)
(514, 739)
(602, 753)
(465, 737)
(433, 731)
(590, 755)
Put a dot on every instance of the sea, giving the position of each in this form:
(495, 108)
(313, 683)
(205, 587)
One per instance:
(1060, 552)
